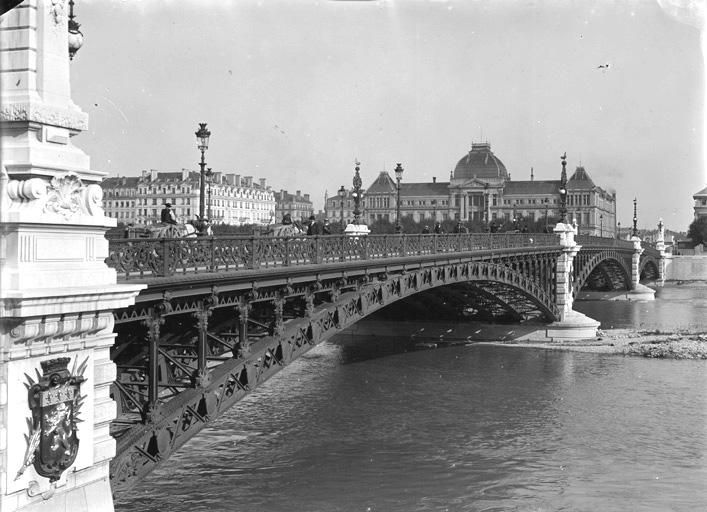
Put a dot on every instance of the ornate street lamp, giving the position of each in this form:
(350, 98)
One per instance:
(618, 235)
(202, 142)
(398, 177)
(209, 178)
(357, 193)
(342, 195)
(635, 219)
(601, 225)
(75, 35)
(563, 190)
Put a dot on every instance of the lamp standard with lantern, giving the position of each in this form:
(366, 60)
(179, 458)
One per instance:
(635, 219)
(209, 178)
(601, 224)
(75, 35)
(342, 195)
(357, 193)
(618, 235)
(398, 177)
(202, 142)
(563, 190)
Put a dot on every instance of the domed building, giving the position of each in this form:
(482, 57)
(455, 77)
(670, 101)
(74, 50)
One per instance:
(480, 191)
(480, 162)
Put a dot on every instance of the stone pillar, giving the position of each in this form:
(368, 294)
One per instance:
(664, 256)
(56, 293)
(638, 291)
(570, 324)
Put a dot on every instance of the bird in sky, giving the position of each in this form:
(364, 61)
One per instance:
(603, 67)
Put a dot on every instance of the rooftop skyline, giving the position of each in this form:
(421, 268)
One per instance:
(296, 91)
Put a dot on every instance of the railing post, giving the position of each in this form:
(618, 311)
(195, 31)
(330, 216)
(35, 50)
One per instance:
(254, 244)
(287, 252)
(212, 253)
(164, 242)
(403, 245)
(434, 243)
(364, 247)
(317, 249)
(341, 247)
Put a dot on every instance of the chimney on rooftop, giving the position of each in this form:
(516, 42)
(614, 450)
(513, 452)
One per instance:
(532, 177)
(434, 179)
(153, 174)
(306, 197)
(262, 182)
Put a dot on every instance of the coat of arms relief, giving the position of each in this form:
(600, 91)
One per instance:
(55, 402)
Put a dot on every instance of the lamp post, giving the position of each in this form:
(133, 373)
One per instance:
(601, 225)
(342, 195)
(209, 178)
(618, 235)
(434, 210)
(563, 190)
(75, 35)
(398, 177)
(635, 219)
(202, 142)
(357, 193)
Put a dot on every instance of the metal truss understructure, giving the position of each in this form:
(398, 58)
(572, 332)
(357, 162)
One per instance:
(197, 342)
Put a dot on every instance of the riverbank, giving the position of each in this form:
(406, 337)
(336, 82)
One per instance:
(627, 342)
(429, 335)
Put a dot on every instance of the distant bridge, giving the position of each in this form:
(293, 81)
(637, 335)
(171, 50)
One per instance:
(221, 315)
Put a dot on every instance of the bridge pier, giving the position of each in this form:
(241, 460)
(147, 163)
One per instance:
(56, 293)
(638, 291)
(571, 324)
(665, 257)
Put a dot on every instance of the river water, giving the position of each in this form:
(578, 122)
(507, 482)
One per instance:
(366, 424)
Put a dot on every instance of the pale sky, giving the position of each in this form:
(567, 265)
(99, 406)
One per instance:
(295, 91)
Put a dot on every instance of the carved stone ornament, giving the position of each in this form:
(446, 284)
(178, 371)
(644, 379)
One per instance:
(58, 11)
(64, 195)
(55, 401)
(73, 119)
(68, 196)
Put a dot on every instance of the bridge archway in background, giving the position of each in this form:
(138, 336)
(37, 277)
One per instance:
(604, 270)
(648, 269)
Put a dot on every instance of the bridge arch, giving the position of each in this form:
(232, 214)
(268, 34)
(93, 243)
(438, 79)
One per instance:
(602, 269)
(350, 299)
(649, 268)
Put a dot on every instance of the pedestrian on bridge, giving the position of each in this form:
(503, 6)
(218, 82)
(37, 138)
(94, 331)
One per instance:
(438, 228)
(316, 227)
(460, 228)
(167, 215)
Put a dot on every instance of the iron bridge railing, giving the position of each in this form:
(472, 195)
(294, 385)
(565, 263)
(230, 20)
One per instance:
(140, 257)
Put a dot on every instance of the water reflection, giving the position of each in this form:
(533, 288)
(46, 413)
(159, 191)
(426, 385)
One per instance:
(676, 308)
